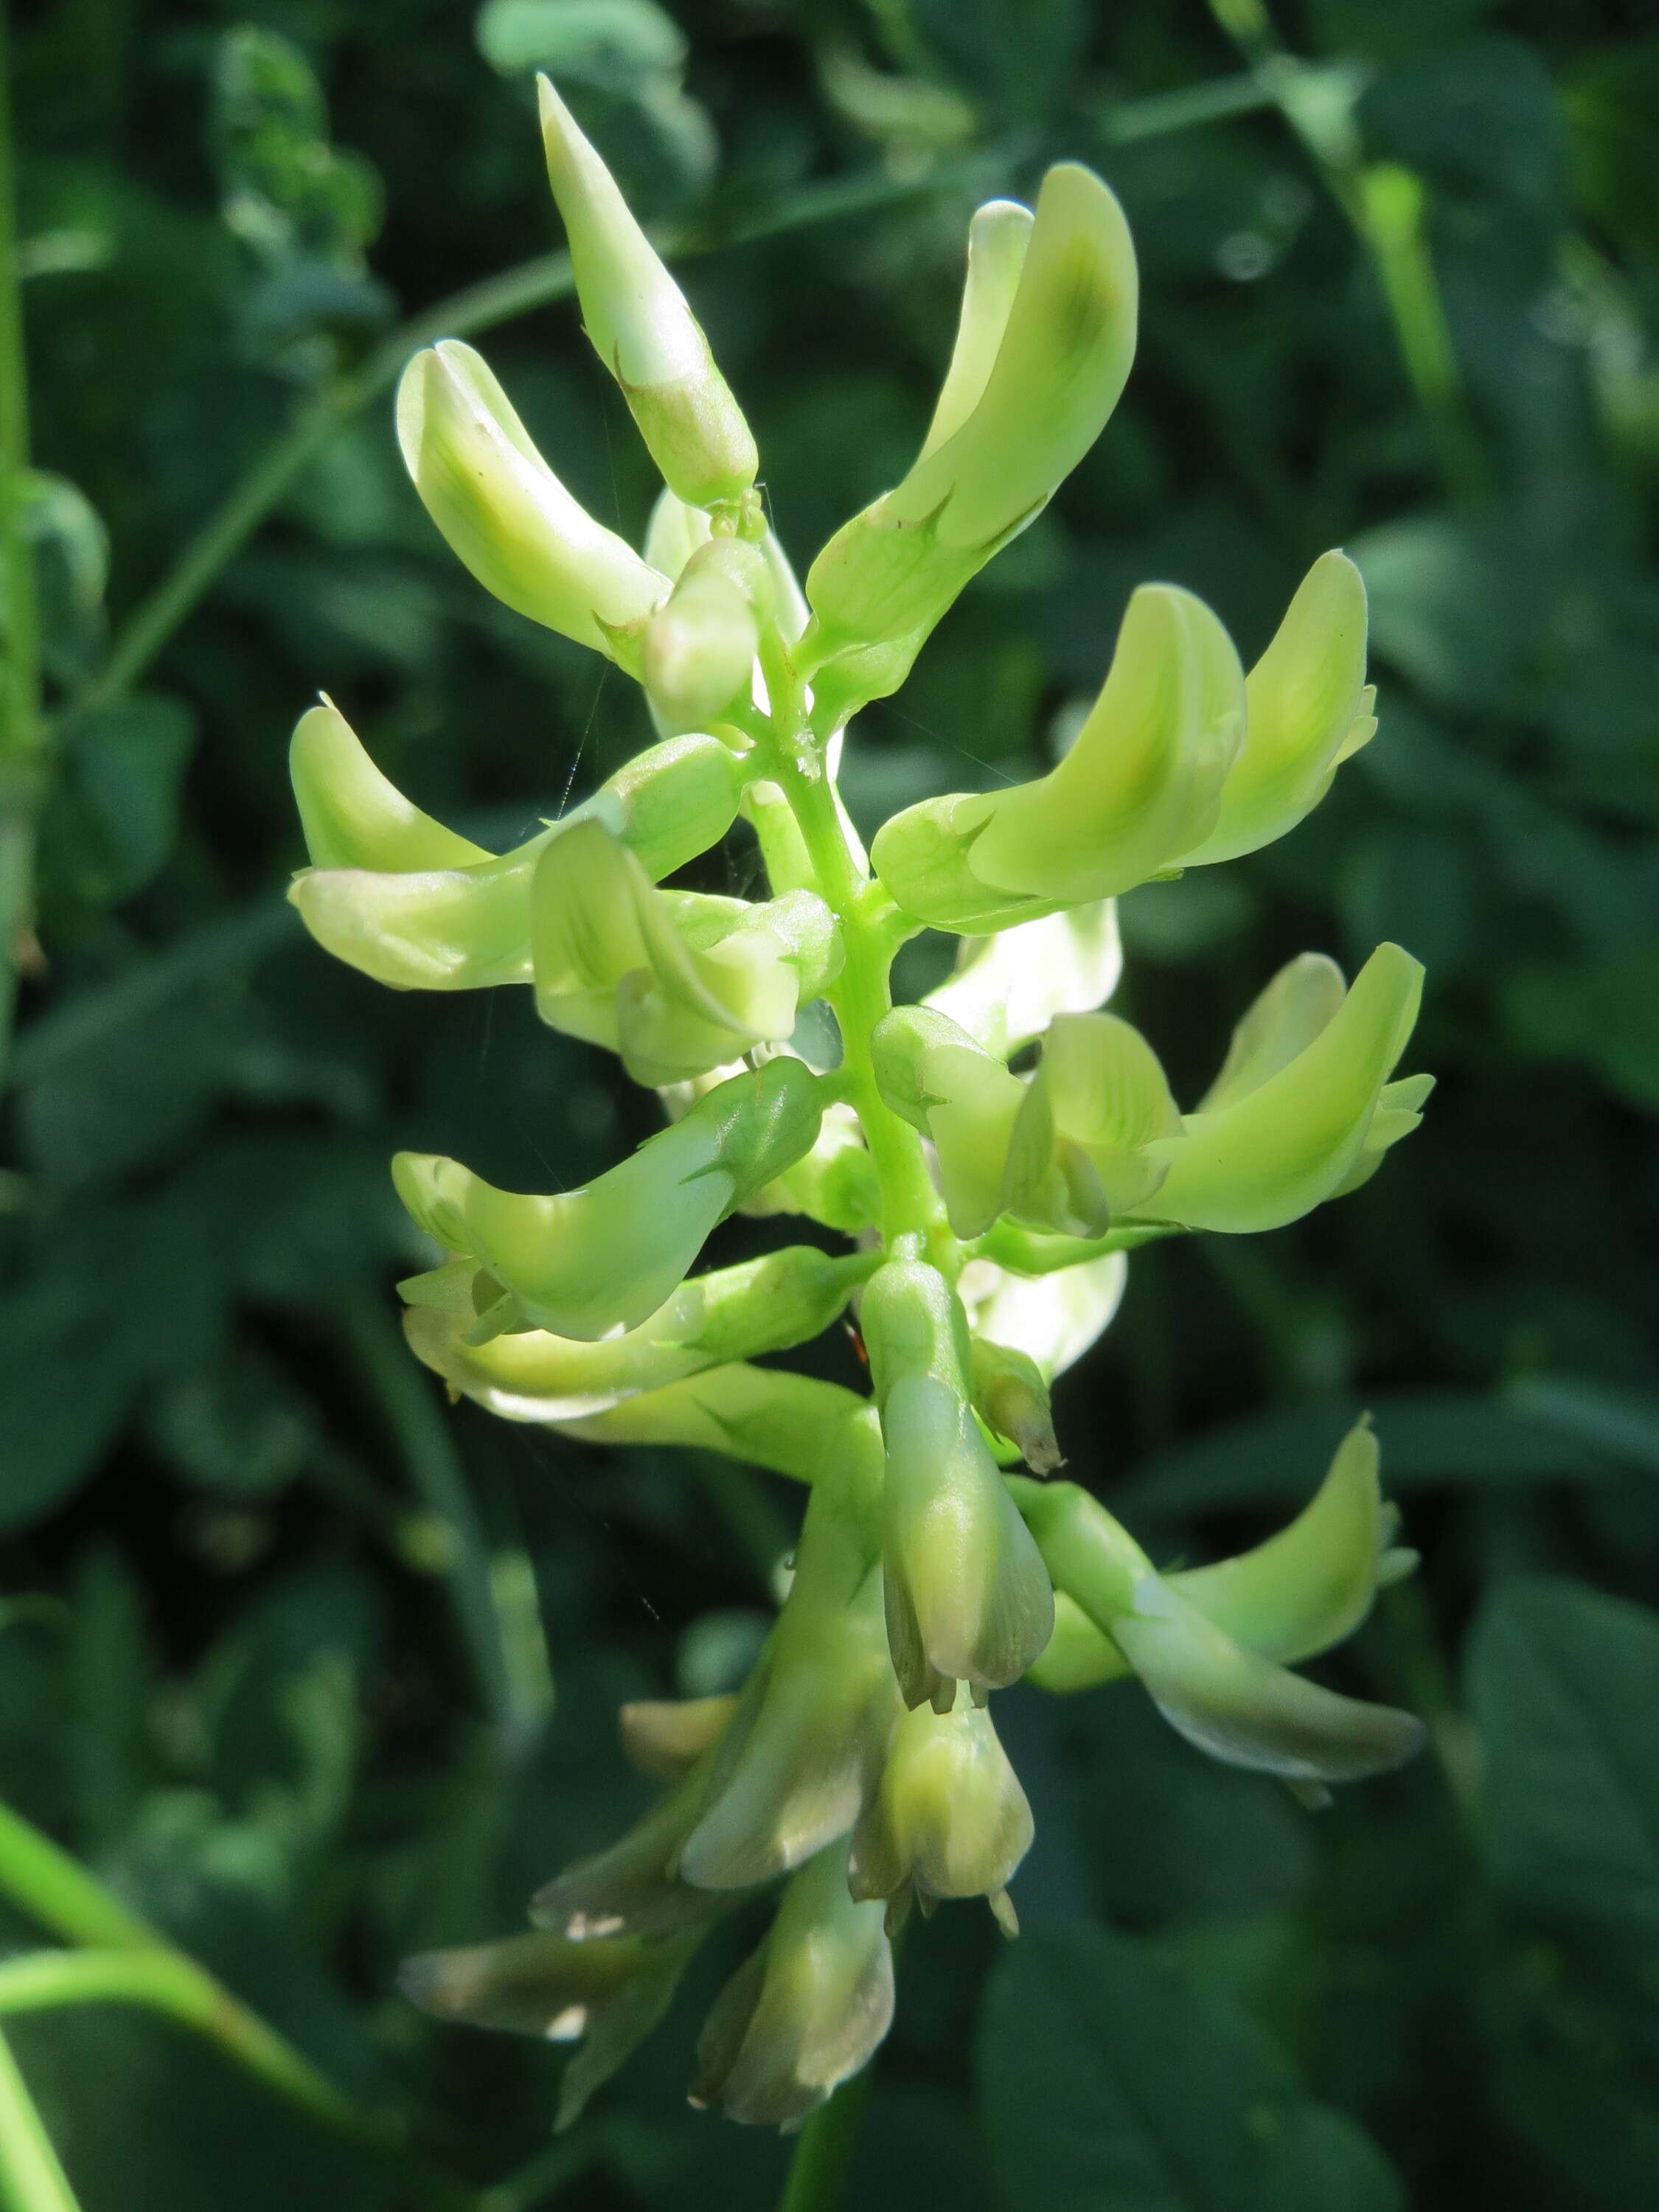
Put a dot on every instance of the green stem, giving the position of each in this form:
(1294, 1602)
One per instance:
(31, 2178)
(824, 2154)
(22, 734)
(1385, 206)
(57, 1891)
(509, 1660)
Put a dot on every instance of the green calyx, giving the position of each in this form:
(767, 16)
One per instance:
(996, 1153)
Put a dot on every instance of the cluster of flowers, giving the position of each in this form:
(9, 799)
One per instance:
(989, 1211)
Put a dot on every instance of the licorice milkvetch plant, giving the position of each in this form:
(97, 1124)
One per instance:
(989, 1211)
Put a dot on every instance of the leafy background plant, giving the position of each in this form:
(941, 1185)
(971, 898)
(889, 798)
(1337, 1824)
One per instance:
(314, 1673)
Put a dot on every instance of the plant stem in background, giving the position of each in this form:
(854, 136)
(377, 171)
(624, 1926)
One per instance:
(1386, 206)
(503, 1638)
(21, 735)
(31, 2178)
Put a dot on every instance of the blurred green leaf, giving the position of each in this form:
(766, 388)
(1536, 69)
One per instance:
(1564, 1683)
(114, 813)
(1106, 2079)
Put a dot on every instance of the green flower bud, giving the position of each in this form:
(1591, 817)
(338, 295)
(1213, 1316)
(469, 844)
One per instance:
(735, 1313)
(665, 1738)
(462, 928)
(674, 534)
(585, 1262)
(1229, 1702)
(968, 1597)
(700, 645)
(1079, 1155)
(1060, 362)
(1289, 1599)
(806, 2011)
(934, 1076)
(351, 815)
(835, 1183)
(631, 1889)
(1281, 1142)
(1140, 787)
(1011, 1396)
(1054, 1319)
(950, 1819)
(606, 1997)
(802, 1754)
(642, 328)
(679, 983)
(1307, 708)
(507, 517)
(1008, 988)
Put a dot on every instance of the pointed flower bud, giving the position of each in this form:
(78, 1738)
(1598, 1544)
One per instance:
(968, 1597)
(506, 514)
(1307, 708)
(1084, 1149)
(1141, 786)
(605, 1998)
(1011, 1396)
(803, 1752)
(807, 2011)
(1008, 988)
(950, 1819)
(665, 1738)
(352, 815)
(464, 925)
(1289, 1599)
(1061, 358)
(700, 645)
(678, 982)
(933, 1074)
(762, 1305)
(586, 1263)
(1280, 1142)
(1227, 1700)
(642, 328)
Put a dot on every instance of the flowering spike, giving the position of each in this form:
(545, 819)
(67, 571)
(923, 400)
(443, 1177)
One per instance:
(507, 515)
(806, 2011)
(966, 1594)
(642, 328)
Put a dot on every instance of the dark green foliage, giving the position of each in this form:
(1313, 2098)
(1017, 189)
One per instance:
(254, 1664)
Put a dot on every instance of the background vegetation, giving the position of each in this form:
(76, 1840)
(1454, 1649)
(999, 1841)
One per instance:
(312, 1672)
